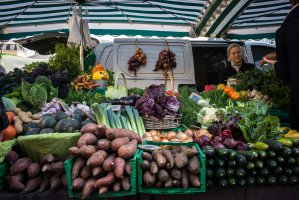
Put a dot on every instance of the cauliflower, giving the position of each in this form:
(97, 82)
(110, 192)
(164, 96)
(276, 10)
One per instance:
(208, 115)
(203, 102)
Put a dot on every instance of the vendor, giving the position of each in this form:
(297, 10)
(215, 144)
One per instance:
(235, 63)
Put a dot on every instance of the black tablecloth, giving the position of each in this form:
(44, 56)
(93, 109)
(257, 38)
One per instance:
(288, 192)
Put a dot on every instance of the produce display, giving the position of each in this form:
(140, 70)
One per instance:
(138, 59)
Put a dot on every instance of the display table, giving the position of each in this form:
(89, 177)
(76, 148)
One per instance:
(289, 192)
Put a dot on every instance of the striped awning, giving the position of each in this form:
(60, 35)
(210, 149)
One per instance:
(177, 18)
(260, 19)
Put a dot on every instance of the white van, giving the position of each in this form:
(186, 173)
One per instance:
(198, 61)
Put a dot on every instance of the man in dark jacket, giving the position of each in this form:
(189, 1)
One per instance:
(287, 66)
(235, 64)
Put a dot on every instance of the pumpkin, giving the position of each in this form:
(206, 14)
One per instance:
(9, 133)
(10, 116)
(97, 68)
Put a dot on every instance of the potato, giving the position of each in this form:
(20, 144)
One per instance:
(176, 173)
(103, 190)
(163, 175)
(149, 179)
(73, 151)
(145, 165)
(100, 131)
(120, 133)
(64, 181)
(97, 172)
(185, 180)
(168, 183)
(147, 156)
(159, 158)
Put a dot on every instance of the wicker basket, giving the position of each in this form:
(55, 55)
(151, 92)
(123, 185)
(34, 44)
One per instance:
(168, 122)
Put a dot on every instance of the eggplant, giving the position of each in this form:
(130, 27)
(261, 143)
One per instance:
(242, 146)
(230, 143)
(129, 100)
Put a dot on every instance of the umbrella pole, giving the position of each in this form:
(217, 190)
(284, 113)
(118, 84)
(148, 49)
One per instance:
(81, 43)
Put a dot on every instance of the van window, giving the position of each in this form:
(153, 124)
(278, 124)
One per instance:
(258, 52)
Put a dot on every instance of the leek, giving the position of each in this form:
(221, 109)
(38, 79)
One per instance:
(131, 118)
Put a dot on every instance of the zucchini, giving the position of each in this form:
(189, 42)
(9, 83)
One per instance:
(210, 173)
(220, 173)
(232, 182)
(231, 163)
(211, 162)
(261, 181)
(223, 152)
(286, 152)
(242, 182)
(295, 141)
(208, 151)
(271, 180)
(271, 154)
(291, 161)
(278, 170)
(262, 154)
(230, 172)
(295, 170)
(251, 180)
(293, 179)
(288, 171)
(250, 165)
(240, 160)
(254, 172)
(280, 160)
(251, 154)
(259, 164)
(273, 145)
(222, 183)
(232, 154)
(283, 180)
(271, 163)
(295, 151)
(220, 162)
(264, 172)
(261, 146)
(210, 183)
(240, 173)
(286, 142)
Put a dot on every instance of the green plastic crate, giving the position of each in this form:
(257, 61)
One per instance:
(3, 171)
(68, 165)
(190, 190)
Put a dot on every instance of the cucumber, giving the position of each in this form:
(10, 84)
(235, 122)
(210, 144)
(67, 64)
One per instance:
(295, 141)
(240, 173)
(293, 179)
(286, 142)
(210, 183)
(250, 165)
(295, 170)
(291, 161)
(250, 155)
(262, 154)
(242, 182)
(222, 153)
(278, 170)
(280, 160)
(271, 163)
(220, 162)
(259, 164)
(231, 163)
(286, 152)
(272, 180)
(232, 182)
(210, 173)
(208, 151)
(232, 154)
(295, 151)
(222, 183)
(211, 162)
(240, 160)
(273, 145)
(283, 180)
(288, 171)
(261, 181)
(251, 180)
(230, 172)
(220, 173)
(261, 146)
(264, 172)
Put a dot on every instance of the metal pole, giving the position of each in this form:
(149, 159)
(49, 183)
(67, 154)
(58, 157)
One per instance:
(82, 41)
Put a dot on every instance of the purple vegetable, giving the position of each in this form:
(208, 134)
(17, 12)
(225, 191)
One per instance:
(226, 133)
(216, 139)
(242, 146)
(203, 140)
(230, 143)
(172, 104)
(218, 145)
(155, 91)
(145, 105)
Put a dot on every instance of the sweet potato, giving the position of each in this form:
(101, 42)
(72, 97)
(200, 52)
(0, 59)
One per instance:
(145, 165)
(108, 164)
(87, 139)
(128, 150)
(147, 156)
(168, 183)
(180, 160)
(18, 124)
(189, 152)
(86, 151)
(176, 173)
(78, 164)
(103, 190)
(154, 167)
(88, 128)
(128, 167)
(159, 158)
(57, 167)
(194, 179)
(100, 131)
(32, 185)
(176, 183)
(104, 144)
(159, 184)
(97, 172)
(106, 181)
(33, 170)
(20, 165)
(49, 158)
(193, 165)
(97, 159)
(119, 133)
(116, 186)
(11, 157)
(125, 183)
(118, 142)
(169, 158)
(78, 184)
(64, 181)
(119, 167)
(55, 182)
(149, 179)
(162, 175)
(88, 188)
(73, 150)
(85, 172)
(15, 185)
(185, 180)
(45, 182)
